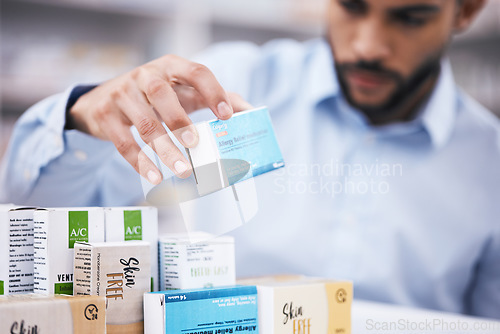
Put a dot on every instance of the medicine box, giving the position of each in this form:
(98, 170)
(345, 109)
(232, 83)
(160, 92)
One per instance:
(120, 271)
(56, 231)
(196, 260)
(303, 305)
(135, 223)
(39, 314)
(208, 311)
(16, 250)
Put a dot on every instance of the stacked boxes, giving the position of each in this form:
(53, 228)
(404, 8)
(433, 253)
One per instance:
(33, 313)
(135, 223)
(210, 311)
(16, 250)
(302, 305)
(187, 264)
(56, 231)
(121, 271)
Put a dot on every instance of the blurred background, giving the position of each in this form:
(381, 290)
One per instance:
(48, 45)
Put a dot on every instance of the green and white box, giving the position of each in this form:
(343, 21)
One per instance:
(56, 231)
(135, 223)
(121, 271)
(196, 260)
(16, 250)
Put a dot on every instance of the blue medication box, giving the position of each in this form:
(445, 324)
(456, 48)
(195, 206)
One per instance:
(233, 150)
(202, 311)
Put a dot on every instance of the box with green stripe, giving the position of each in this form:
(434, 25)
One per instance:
(135, 223)
(56, 230)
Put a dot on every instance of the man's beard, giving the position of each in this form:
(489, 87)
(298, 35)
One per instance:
(405, 88)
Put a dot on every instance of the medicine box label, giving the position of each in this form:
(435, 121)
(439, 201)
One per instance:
(233, 150)
(121, 272)
(16, 250)
(211, 311)
(56, 232)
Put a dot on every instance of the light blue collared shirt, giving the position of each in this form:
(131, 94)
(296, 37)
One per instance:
(409, 211)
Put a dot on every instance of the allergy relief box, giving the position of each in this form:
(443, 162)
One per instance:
(16, 250)
(39, 314)
(135, 223)
(197, 260)
(234, 150)
(302, 305)
(120, 271)
(208, 311)
(56, 231)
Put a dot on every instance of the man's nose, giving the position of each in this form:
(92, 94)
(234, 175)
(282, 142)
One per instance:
(371, 42)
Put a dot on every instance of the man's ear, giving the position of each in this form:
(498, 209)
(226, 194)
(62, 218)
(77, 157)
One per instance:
(467, 12)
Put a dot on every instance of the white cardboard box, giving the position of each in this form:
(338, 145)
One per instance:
(56, 231)
(121, 271)
(16, 250)
(39, 314)
(188, 264)
(302, 305)
(135, 223)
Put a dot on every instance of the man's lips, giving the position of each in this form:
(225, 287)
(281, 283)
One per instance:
(368, 80)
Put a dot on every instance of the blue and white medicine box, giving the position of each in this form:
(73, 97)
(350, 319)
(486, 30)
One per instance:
(233, 150)
(208, 311)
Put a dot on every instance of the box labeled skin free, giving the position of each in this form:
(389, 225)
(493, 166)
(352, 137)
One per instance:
(16, 250)
(56, 231)
(34, 313)
(187, 263)
(234, 150)
(208, 311)
(303, 305)
(135, 223)
(119, 271)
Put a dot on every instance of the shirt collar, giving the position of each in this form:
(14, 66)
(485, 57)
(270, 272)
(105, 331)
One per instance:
(437, 115)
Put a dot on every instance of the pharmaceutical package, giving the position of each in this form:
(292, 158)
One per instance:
(234, 150)
(303, 305)
(208, 311)
(16, 250)
(39, 314)
(188, 263)
(120, 271)
(56, 231)
(135, 223)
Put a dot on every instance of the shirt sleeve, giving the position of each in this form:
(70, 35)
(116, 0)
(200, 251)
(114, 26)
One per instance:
(46, 165)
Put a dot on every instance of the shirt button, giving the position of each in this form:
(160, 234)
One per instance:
(58, 141)
(27, 174)
(81, 155)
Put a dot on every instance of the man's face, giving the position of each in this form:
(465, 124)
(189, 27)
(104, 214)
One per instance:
(386, 50)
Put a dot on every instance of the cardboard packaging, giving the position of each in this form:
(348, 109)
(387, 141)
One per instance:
(187, 263)
(16, 250)
(135, 223)
(56, 231)
(211, 311)
(303, 305)
(33, 313)
(233, 150)
(120, 271)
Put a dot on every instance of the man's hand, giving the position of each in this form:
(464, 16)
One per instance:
(164, 90)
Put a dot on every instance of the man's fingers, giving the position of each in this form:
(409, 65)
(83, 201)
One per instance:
(154, 134)
(182, 71)
(164, 99)
(126, 145)
(238, 103)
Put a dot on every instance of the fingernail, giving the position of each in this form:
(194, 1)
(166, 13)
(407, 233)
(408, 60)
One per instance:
(180, 167)
(224, 110)
(153, 177)
(188, 138)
